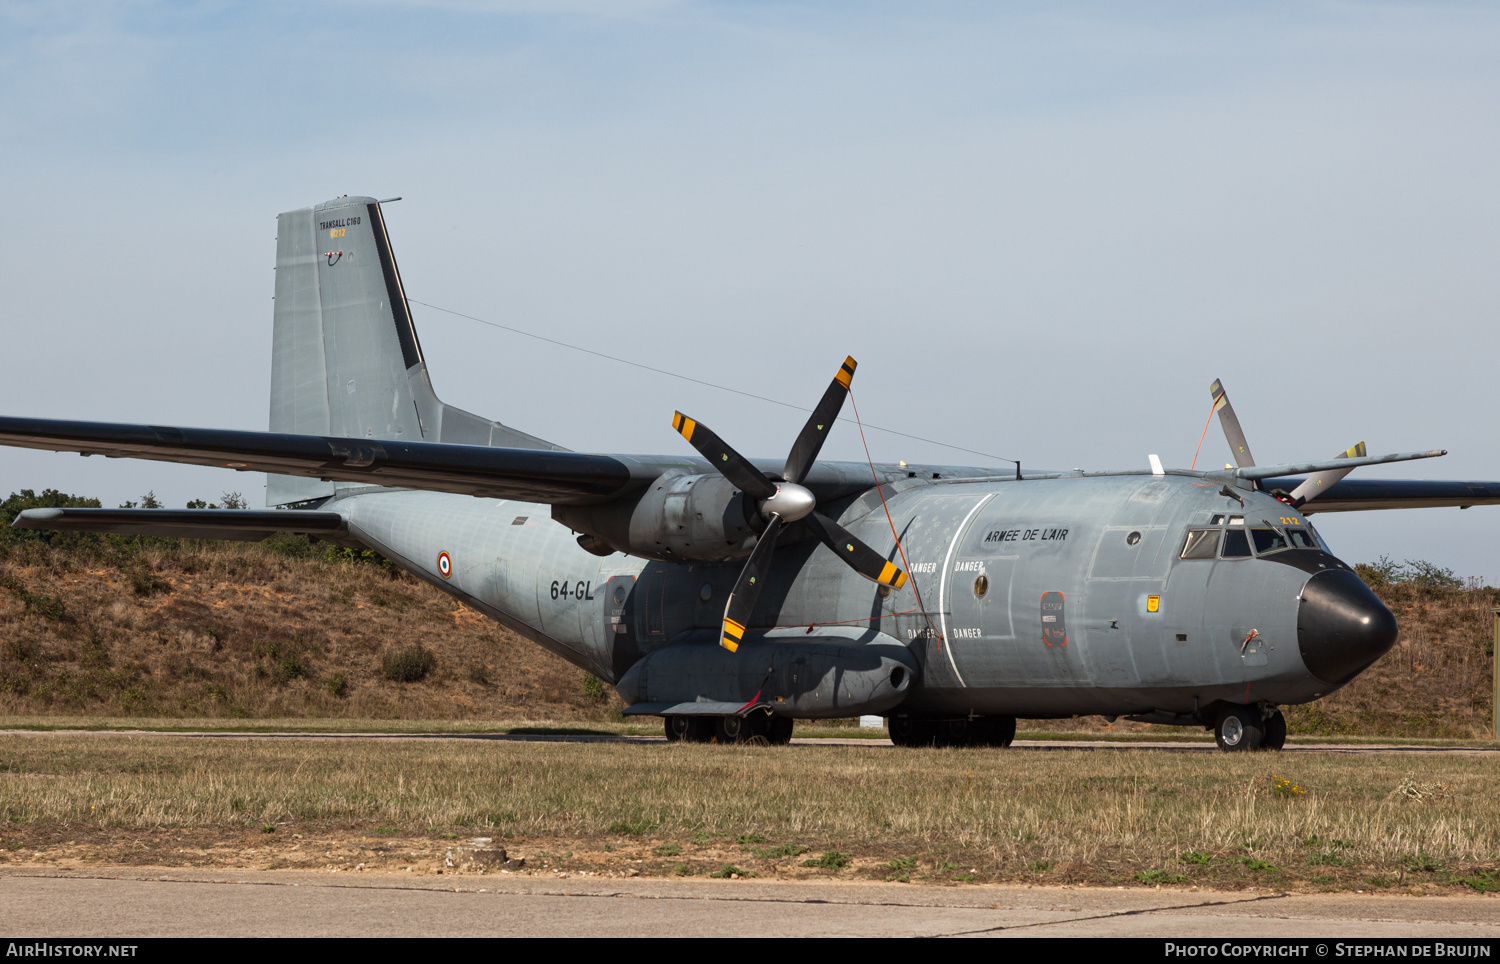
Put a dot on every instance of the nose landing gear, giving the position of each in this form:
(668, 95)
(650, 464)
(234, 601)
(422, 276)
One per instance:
(1250, 728)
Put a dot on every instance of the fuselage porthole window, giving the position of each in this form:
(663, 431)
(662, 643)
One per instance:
(1236, 544)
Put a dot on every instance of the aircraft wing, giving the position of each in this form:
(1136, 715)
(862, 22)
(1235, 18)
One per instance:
(528, 475)
(242, 525)
(532, 475)
(1354, 495)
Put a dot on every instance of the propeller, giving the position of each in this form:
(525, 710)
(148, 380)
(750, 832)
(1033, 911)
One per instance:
(1311, 487)
(1231, 426)
(1319, 482)
(782, 503)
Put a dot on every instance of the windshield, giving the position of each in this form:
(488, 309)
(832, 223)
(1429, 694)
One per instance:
(1267, 541)
(1302, 539)
(1201, 544)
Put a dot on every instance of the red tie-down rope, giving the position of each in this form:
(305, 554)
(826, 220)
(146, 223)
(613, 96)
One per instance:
(891, 522)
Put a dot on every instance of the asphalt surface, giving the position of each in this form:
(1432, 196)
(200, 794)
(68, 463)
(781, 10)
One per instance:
(123, 903)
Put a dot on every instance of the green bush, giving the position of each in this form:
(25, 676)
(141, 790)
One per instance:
(366, 557)
(1386, 572)
(409, 665)
(592, 689)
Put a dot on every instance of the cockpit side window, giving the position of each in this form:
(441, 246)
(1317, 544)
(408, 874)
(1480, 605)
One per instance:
(1236, 544)
(1301, 539)
(1267, 541)
(1201, 544)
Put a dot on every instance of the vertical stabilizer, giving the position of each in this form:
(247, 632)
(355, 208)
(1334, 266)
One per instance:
(345, 357)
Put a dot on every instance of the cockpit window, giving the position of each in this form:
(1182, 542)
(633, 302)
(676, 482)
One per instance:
(1267, 541)
(1217, 520)
(1201, 544)
(1236, 520)
(1301, 539)
(1236, 544)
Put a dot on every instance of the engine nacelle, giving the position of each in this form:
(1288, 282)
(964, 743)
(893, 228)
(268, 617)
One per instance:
(681, 517)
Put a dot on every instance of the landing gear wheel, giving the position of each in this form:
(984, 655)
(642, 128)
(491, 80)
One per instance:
(779, 730)
(997, 731)
(952, 732)
(906, 731)
(1239, 728)
(744, 729)
(1275, 737)
(689, 729)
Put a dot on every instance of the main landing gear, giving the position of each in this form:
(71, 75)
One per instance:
(996, 731)
(1250, 728)
(757, 728)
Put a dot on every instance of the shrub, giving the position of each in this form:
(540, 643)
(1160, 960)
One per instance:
(592, 689)
(832, 860)
(145, 582)
(1419, 573)
(366, 557)
(337, 684)
(409, 665)
(289, 668)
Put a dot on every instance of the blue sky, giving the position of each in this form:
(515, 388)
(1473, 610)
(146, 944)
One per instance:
(1042, 229)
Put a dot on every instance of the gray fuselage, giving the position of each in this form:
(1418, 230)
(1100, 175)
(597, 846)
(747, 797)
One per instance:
(1034, 598)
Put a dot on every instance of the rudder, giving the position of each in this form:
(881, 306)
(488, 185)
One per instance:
(346, 361)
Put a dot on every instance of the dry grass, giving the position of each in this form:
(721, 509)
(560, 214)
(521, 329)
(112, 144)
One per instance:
(195, 629)
(1100, 817)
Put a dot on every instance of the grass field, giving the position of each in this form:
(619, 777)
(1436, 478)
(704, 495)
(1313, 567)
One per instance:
(1314, 821)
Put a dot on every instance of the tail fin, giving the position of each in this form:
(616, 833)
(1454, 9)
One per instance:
(345, 357)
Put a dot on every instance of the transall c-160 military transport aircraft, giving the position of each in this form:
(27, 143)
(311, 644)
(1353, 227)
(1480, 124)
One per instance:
(731, 596)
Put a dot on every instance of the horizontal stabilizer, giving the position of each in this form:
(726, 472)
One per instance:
(231, 524)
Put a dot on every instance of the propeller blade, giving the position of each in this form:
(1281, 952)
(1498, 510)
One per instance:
(860, 557)
(1319, 482)
(747, 588)
(1231, 426)
(731, 464)
(810, 441)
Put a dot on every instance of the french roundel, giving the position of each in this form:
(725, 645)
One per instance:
(445, 565)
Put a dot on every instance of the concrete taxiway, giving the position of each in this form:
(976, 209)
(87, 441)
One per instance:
(138, 902)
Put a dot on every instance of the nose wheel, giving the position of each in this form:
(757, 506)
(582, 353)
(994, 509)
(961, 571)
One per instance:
(1249, 728)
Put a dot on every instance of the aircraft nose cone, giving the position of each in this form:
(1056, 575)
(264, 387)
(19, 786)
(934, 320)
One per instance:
(1342, 626)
